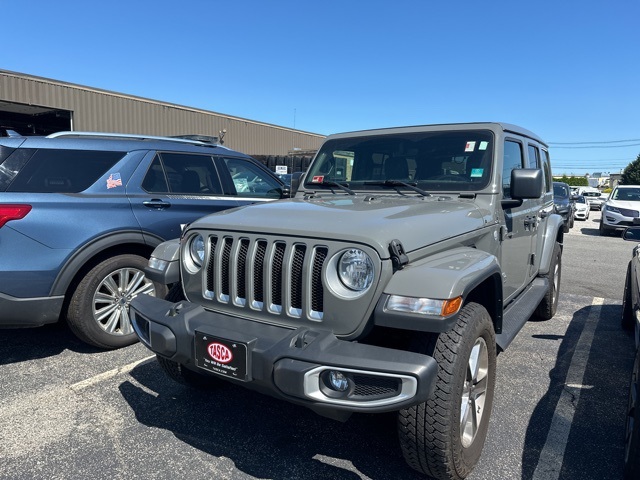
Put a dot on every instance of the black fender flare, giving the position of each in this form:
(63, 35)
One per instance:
(99, 244)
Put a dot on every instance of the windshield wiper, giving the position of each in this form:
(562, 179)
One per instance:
(332, 185)
(397, 183)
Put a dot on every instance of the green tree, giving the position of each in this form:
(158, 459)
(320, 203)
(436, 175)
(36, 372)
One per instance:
(631, 174)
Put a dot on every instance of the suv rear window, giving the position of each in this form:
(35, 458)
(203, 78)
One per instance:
(62, 171)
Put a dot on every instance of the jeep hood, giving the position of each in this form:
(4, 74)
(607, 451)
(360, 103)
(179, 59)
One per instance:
(367, 219)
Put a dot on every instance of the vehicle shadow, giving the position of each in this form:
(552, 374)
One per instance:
(593, 437)
(23, 344)
(266, 437)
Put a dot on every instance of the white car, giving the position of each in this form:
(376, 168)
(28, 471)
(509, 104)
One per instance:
(621, 209)
(582, 208)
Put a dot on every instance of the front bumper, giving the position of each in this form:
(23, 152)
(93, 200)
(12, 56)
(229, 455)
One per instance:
(581, 214)
(614, 220)
(289, 363)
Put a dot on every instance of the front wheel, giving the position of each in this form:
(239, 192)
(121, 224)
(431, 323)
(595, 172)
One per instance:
(98, 311)
(549, 303)
(444, 436)
(627, 308)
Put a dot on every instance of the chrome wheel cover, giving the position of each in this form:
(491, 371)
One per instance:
(112, 297)
(474, 392)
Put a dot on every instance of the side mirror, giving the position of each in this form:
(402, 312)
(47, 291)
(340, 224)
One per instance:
(295, 182)
(525, 183)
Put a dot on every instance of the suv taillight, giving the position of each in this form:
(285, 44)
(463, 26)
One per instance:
(13, 212)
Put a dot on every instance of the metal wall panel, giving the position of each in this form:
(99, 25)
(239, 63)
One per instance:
(104, 111)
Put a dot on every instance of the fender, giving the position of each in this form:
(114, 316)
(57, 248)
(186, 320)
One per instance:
(93, 248)
(553, 232)
(445, 275)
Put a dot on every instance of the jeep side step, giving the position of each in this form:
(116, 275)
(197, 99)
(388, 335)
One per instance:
(519, 311)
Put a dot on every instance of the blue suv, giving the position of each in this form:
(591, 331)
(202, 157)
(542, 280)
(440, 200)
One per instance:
(80, 214)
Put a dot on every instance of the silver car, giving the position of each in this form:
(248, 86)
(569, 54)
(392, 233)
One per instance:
(621, 209)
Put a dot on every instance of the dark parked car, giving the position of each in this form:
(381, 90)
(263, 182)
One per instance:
(80, 214)
(563, 203)
(631, 321)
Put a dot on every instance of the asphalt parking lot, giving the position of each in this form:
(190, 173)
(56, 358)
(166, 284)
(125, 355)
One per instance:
(68, 411)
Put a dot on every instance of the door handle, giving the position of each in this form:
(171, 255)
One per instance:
(156, 203)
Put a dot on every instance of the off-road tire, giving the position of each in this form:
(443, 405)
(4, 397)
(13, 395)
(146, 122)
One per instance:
(627, 322)
(184, 376)
(430, 433)
(99, 290)
(632, 430)
(549, 303)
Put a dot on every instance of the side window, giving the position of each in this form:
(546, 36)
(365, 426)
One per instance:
(188, 174)
(62, 171)
(547, 171)
(155, 180)
(512, 160)
(250, 180)
(534, 157)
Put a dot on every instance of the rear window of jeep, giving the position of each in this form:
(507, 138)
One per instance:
(61, 171)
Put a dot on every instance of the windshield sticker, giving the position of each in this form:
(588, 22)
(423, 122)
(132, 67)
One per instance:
(317, 179)
(114, 181)
(483, 145)
(471, 146)
(476, 172)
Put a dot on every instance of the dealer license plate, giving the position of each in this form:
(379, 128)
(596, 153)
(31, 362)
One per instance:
(222, 356)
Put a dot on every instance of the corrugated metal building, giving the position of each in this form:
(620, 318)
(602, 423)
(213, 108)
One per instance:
(35, 105)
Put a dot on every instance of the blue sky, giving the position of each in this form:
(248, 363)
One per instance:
(567, 70)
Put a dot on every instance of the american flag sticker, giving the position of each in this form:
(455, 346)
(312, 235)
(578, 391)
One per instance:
(114, 180)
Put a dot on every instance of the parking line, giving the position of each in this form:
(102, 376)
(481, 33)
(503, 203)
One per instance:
(551, 457)
(76, 387)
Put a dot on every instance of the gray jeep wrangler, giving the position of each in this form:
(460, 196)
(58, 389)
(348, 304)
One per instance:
(408, 258)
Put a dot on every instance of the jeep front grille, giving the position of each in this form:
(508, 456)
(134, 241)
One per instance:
(266, 275)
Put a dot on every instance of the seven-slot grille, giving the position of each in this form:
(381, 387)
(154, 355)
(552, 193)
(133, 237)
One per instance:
(267, 275)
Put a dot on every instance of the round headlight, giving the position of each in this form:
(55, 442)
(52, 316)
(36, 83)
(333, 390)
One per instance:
(355, 269)
(196, 250)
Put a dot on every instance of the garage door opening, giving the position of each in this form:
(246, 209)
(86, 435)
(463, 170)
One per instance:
(33, 119)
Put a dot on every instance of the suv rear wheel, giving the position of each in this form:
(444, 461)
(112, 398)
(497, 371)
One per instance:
(443, 437)
(98, 311)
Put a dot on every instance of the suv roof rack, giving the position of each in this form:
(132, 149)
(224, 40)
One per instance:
(9, 132)
(191, 139)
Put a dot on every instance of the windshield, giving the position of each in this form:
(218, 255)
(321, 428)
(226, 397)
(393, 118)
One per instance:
(591, 194)
(629, 194)
(433, 161)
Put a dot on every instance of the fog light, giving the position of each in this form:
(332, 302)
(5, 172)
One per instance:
(338, 381)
